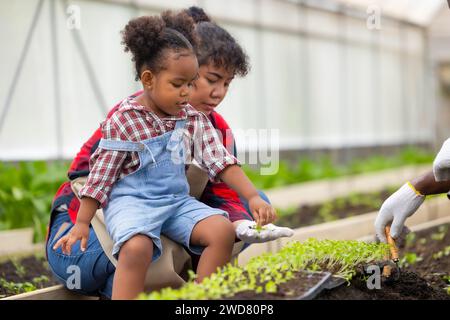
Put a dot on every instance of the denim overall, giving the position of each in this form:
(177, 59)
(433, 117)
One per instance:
(155, 198)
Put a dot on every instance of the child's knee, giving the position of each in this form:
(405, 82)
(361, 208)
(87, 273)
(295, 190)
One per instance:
(138, 248)
(222, 233)
(214, 231)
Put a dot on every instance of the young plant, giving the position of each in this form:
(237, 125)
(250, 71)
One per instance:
(440, 235)
(17, 288)
(409, 259)
(20, 269)
(445, 252)
(410, 239)
(267, 271)
(26, 193)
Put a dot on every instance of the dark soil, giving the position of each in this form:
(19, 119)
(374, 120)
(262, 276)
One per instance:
(423, 279)
(426, 245)
(339, 208)
(409, 286)
(21, 275)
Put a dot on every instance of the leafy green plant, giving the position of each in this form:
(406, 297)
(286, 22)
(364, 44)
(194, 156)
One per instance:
(27, 188)
(445, 252)
(440, 235)
(447, 279)
(410, 239)
(259, 228)
(281, 212)
(267, 271)
(325, 212)
(308, 169)
(17, 288)
(40, 280)
(26, 193)
(423, 241)
(329, 210)
(20, 269)
(409, 259)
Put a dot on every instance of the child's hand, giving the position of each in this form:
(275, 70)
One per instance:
(80, 231)
(263, 212)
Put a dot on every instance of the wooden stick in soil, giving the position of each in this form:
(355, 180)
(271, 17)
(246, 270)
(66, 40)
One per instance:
(387, 270)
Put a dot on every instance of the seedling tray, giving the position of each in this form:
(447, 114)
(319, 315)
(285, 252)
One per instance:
(305, 285)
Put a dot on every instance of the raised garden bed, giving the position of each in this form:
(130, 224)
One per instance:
(339, 208)
(316, 192)
(424, 275)
(410, 286)
(427, 253)
(435, 210)
(425, 271)
(20, 275)
(355, 227)
(278, 275)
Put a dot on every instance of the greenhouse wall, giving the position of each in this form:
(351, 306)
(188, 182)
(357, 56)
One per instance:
(319, 74)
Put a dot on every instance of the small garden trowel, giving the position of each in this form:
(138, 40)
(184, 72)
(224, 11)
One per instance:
(391, 270)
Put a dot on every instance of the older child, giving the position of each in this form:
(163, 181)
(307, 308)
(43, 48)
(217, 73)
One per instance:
(220, 60)
(138, 171)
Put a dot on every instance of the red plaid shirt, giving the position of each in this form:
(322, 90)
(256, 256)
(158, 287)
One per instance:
(132, 122)
(216, 195)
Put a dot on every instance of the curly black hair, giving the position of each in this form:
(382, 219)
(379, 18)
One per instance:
(198, 14)
(216, 45)
(149, 37)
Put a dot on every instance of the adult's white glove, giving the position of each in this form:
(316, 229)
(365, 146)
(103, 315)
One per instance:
(399, 206)
(441, 164)
(247, 232)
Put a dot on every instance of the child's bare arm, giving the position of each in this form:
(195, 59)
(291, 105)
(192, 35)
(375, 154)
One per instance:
(80, 231)
(236, 178)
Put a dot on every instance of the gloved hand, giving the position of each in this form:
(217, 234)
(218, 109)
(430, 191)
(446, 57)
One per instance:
(441, 164)
(399, 206)
(247, 232)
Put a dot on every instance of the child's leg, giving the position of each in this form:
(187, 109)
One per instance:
(135, 257)
(216, 234)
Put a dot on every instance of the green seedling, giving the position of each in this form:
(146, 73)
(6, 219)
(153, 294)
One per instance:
(446, 279)
(308, 169)
(409, 259)
(267, 271)
(440, 235)
(40, 280)
(410, 239)
(325, 212)
(445, 252)
(17, 288)
(26, 193)
(259, 228)
(20, 269)
(27, 188)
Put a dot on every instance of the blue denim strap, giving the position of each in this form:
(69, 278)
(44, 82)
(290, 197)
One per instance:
(117, 145)
(177, 135)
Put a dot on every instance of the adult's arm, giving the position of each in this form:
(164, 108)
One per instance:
(405, 202)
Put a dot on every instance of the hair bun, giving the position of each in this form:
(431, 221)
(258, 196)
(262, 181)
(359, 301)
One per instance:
(198, 14)
(143, 35)
(147, 37)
